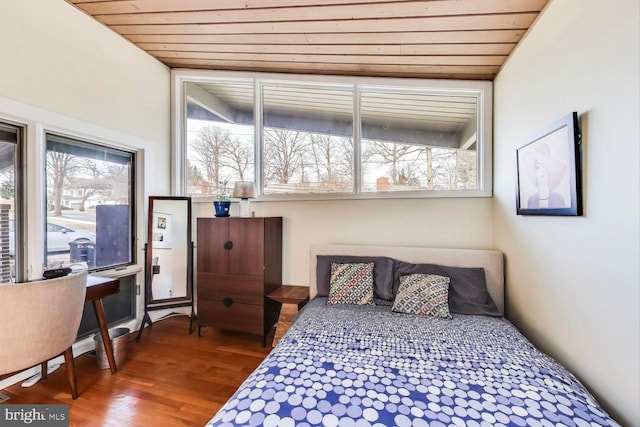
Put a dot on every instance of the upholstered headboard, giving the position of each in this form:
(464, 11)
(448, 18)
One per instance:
(490, 260)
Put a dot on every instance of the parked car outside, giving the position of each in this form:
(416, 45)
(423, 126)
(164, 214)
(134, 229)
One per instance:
(58, 237)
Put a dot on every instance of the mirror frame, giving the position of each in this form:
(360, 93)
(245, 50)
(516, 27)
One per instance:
(150, 303)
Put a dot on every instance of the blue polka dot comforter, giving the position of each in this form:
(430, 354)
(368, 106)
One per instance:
(363, 366)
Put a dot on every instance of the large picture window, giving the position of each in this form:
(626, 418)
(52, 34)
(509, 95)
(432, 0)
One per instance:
(89, 202)
(331, 137)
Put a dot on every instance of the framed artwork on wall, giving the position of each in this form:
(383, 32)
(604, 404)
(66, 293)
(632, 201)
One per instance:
(548, 171)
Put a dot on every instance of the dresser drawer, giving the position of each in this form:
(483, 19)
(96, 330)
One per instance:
(236, 317)
(242, 289)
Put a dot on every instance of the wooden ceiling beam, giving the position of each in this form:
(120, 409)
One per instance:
(107, 7)
(323, 12)
(397, 60)
(319, 49)
(447, 23)
(384, 38)
(316, 66)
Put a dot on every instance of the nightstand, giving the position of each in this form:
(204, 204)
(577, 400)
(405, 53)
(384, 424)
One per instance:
(292, 299)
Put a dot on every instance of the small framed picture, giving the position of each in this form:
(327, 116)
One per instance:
(161, 233)
(548, 171)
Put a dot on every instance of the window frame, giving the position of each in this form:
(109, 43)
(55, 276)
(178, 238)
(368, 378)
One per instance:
(481, 90)
(133, 188)
(19, 225)
(259, 130)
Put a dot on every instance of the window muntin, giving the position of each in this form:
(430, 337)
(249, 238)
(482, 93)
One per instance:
(418, 140)
(89, 200)
(462, 170)
(10, 232)
(220, 145)
(307, 139)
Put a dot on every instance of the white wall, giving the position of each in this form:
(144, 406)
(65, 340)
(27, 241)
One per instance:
(573, 283)
(454, 223)
(57, 58)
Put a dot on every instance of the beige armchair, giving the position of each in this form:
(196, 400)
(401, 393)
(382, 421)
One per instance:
(39, 320)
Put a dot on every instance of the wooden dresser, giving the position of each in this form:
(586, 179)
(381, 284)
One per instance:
(239, 262)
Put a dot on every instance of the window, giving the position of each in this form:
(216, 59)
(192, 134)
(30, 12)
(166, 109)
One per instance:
(418, 140)
(89, 203)
(220, 136)
(10, 203)
(332, 137)
(307, 139)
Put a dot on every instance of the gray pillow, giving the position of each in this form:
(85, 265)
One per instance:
(382, 273)
(468, 292)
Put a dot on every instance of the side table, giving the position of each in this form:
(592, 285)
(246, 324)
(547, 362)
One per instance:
(292, 299)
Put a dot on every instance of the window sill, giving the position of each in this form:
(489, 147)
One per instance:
(450, 194)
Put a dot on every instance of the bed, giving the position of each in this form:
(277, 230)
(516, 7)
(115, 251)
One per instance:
(342, 364)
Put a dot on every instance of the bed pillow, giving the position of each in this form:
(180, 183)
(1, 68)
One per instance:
(424, 295)
(382, 273)
(468, 292)
(351, 283)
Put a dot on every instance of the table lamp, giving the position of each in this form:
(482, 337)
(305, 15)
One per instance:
(244, 190)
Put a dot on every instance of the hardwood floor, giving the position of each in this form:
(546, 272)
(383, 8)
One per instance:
(170, 378)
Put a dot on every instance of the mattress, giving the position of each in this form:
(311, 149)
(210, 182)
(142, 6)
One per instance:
(346, 365)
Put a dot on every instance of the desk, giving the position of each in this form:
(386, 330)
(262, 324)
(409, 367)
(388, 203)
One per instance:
(291, 298)
(98, 288)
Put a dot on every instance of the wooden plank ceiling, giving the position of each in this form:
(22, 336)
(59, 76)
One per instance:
(461, 39)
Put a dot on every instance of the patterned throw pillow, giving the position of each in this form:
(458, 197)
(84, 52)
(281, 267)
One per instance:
(351, 283)
(423, 294)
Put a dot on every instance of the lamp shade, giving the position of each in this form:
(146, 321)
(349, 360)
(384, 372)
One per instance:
(244, 189)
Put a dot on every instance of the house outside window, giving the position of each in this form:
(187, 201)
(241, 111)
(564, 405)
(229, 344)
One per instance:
(312, 137)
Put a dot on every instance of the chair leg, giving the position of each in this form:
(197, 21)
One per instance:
(43, 370)
(71, 372)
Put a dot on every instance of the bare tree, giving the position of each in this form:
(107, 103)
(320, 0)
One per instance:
(283, 153)
(94, 180)
(208, 148)
(59, 167)
(408, 177)
(438, 168)
(238, 156)
(90, 187)
(119, 177)
(346, 159)
(332, 158)
(443, 169)
(396, 155)
(450, 169)
(429, 171)
(467, 169)
(194, 176)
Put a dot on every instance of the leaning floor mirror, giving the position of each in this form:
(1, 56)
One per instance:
(168, 257)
